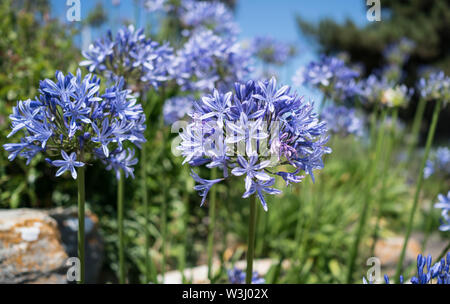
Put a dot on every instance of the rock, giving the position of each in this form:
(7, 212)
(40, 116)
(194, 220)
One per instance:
(30, 247)
(67, 219)
(388, 251)
(35, 245)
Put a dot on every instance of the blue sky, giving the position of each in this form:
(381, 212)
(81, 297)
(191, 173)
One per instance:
(256, 18)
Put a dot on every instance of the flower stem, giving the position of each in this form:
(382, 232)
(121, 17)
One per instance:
(81, 203)
(143, 161)
(251, 240)
(212, 224)
(120, 196)
(163, 231)
(367, 200)
(185, 236)
(386, 165)
(444, 252)
(430, 138)
(417, 122)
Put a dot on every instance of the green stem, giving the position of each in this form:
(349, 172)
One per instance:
(417, 122)
(186, 236)
(444, 252)
(251, 240)
(120, 196)
(164, 231)
(384, 174)
(367, 200)
(430, 138)
(212, 223)
(81, 203)
(146, 212)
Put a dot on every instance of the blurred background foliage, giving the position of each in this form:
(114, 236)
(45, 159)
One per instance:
(307, 226)
(425, 22)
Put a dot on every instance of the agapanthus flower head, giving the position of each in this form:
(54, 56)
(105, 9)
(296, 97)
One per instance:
(271, 51)
(207, 61)
(435, 86)
(426, 272)
(398, 53)
(142, 61)
(343, 120)
(176, 108)
(397, 96)
(212, 15)
(444, 204)
(251, 132)
(156, 5)
(332, 76)
(373, 88)
(237, 276)
(381, 91)
(73, 123)
(438, 163)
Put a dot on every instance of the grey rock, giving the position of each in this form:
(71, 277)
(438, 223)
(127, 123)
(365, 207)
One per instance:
(35, 245)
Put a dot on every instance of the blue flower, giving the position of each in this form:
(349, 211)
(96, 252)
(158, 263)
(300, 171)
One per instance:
(399, 52)
(204, 186)
(256, 128)
(271, 51)
(141, 61)
(121, 160)
(213, 15)
(70, 115)
(444, 204)
(251, 170)
(176, 108)
(216, 105)
(438, 163)
(435, 86)
(259, 188)
(207, 61)
(270, 95)
(332, 76)
(247, 132)
(68, 164)
(237, 276)
(343, 120)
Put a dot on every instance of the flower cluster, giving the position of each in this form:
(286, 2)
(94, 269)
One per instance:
(176, 108)
(444, 204)
(399, 52)
(237, 276)
(332, 76)
(439, 271)
(426, 272)
(207, 61)
(397, 96)
(438, 163)
(258, 128)
(435, 86)
(155, 5)
(378, 90)
(342, 120)
(272, 51)
(70, 118)
(213, 15)
(130, 55)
